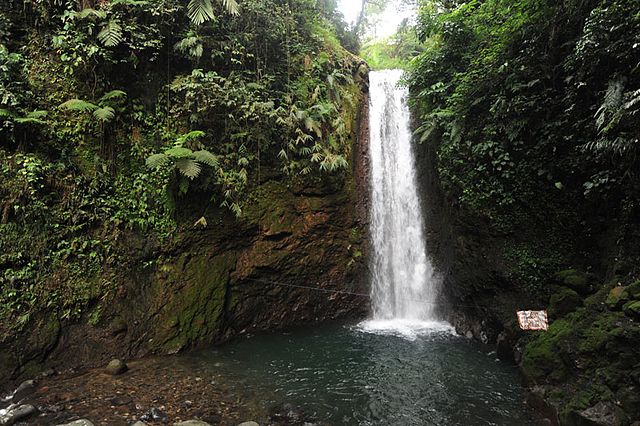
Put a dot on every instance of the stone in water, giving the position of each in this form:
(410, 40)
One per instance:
(533, 320)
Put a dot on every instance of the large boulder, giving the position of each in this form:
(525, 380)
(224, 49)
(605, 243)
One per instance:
(601, 414)
(575, 279)
(563, 302)
(16, 413)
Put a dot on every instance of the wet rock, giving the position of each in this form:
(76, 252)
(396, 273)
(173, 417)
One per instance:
(116, 367)
(601, 414)
(504, 349)
(155, 414)
(26, 388)
(81, 422)
(289, 414)
(248, 424)
(120, 400)
(17, 413)
(192, 423)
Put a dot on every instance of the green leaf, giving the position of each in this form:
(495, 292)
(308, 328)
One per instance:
(78, 105)
(157, 161)
(179, 152)
(111, 34)
(105, 114)
(205, 157)
(189, 168)
(200, 11)
(114, 94)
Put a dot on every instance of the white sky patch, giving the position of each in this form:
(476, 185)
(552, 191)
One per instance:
(391, 18)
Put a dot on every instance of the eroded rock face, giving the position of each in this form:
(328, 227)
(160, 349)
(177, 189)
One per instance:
(209, 283)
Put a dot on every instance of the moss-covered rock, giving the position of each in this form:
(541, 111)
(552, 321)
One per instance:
(564, 301)
(541, 360)
(632, 308)
(617, 297)
(575, 279)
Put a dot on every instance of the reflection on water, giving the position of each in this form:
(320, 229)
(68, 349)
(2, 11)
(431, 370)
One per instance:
(344, 376)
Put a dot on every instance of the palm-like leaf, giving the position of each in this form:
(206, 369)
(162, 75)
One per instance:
(200, 11)
(232, 7)
(78, 105)
(188, 167)
(111, 34)
(89, 12)
(104, 114)
(205, 157)
(192, 135)
(5, 113)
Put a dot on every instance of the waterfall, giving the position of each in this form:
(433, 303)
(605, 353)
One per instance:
(404, 283)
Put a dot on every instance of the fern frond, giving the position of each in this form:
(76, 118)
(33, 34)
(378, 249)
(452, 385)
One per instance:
(188, 167)
(205, 157)
(37, 114)
(179, 152)
(78, 105)
(114, 94)
(200, 11)
(111, 34)
(104, 114)
(129, 2)
(6, 113)
(157, 161)
(89, 12)
(192, 135)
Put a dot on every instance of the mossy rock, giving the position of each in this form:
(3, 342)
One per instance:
(575, 279)
(541, 360)
(617, 297)
(632, 308)
(633, 290)
(563, 302)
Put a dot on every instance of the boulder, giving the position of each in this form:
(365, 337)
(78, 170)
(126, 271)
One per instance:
(601, 414)
(16, 413)
(617, 297)
(504, 348)
(26, 388)
(574, 279)
(116, 367)
(632, 308)
(563, 302)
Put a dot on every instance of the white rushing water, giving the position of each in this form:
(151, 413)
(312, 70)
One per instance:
(404, 285)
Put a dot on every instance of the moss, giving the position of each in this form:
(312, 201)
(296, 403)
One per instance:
(564, 301)
(617, 297)
(633, 290)
(574, 279)
(541, 360)
(632, 308)
(598, 332)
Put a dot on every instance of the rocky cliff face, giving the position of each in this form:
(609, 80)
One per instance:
(585, 369)
(280, 264)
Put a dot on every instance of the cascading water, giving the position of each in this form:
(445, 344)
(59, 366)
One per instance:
(404, 283)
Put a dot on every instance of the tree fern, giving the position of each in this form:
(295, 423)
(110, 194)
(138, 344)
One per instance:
(157, 161)
(111, 34)
(205, 157)
(78, 105)
(114, 94)
(104, 114)
(179, 152)
(188, 167)
(89, 12)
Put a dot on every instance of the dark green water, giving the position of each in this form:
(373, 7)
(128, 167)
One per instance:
(343, 376)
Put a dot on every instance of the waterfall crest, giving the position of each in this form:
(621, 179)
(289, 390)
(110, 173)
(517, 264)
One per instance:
(404, 283)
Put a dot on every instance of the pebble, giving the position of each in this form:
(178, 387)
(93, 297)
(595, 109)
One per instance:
(192, 423)
(139, 423)
(81, 422)
(15, 413)
(249, 424)
(116, 367)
